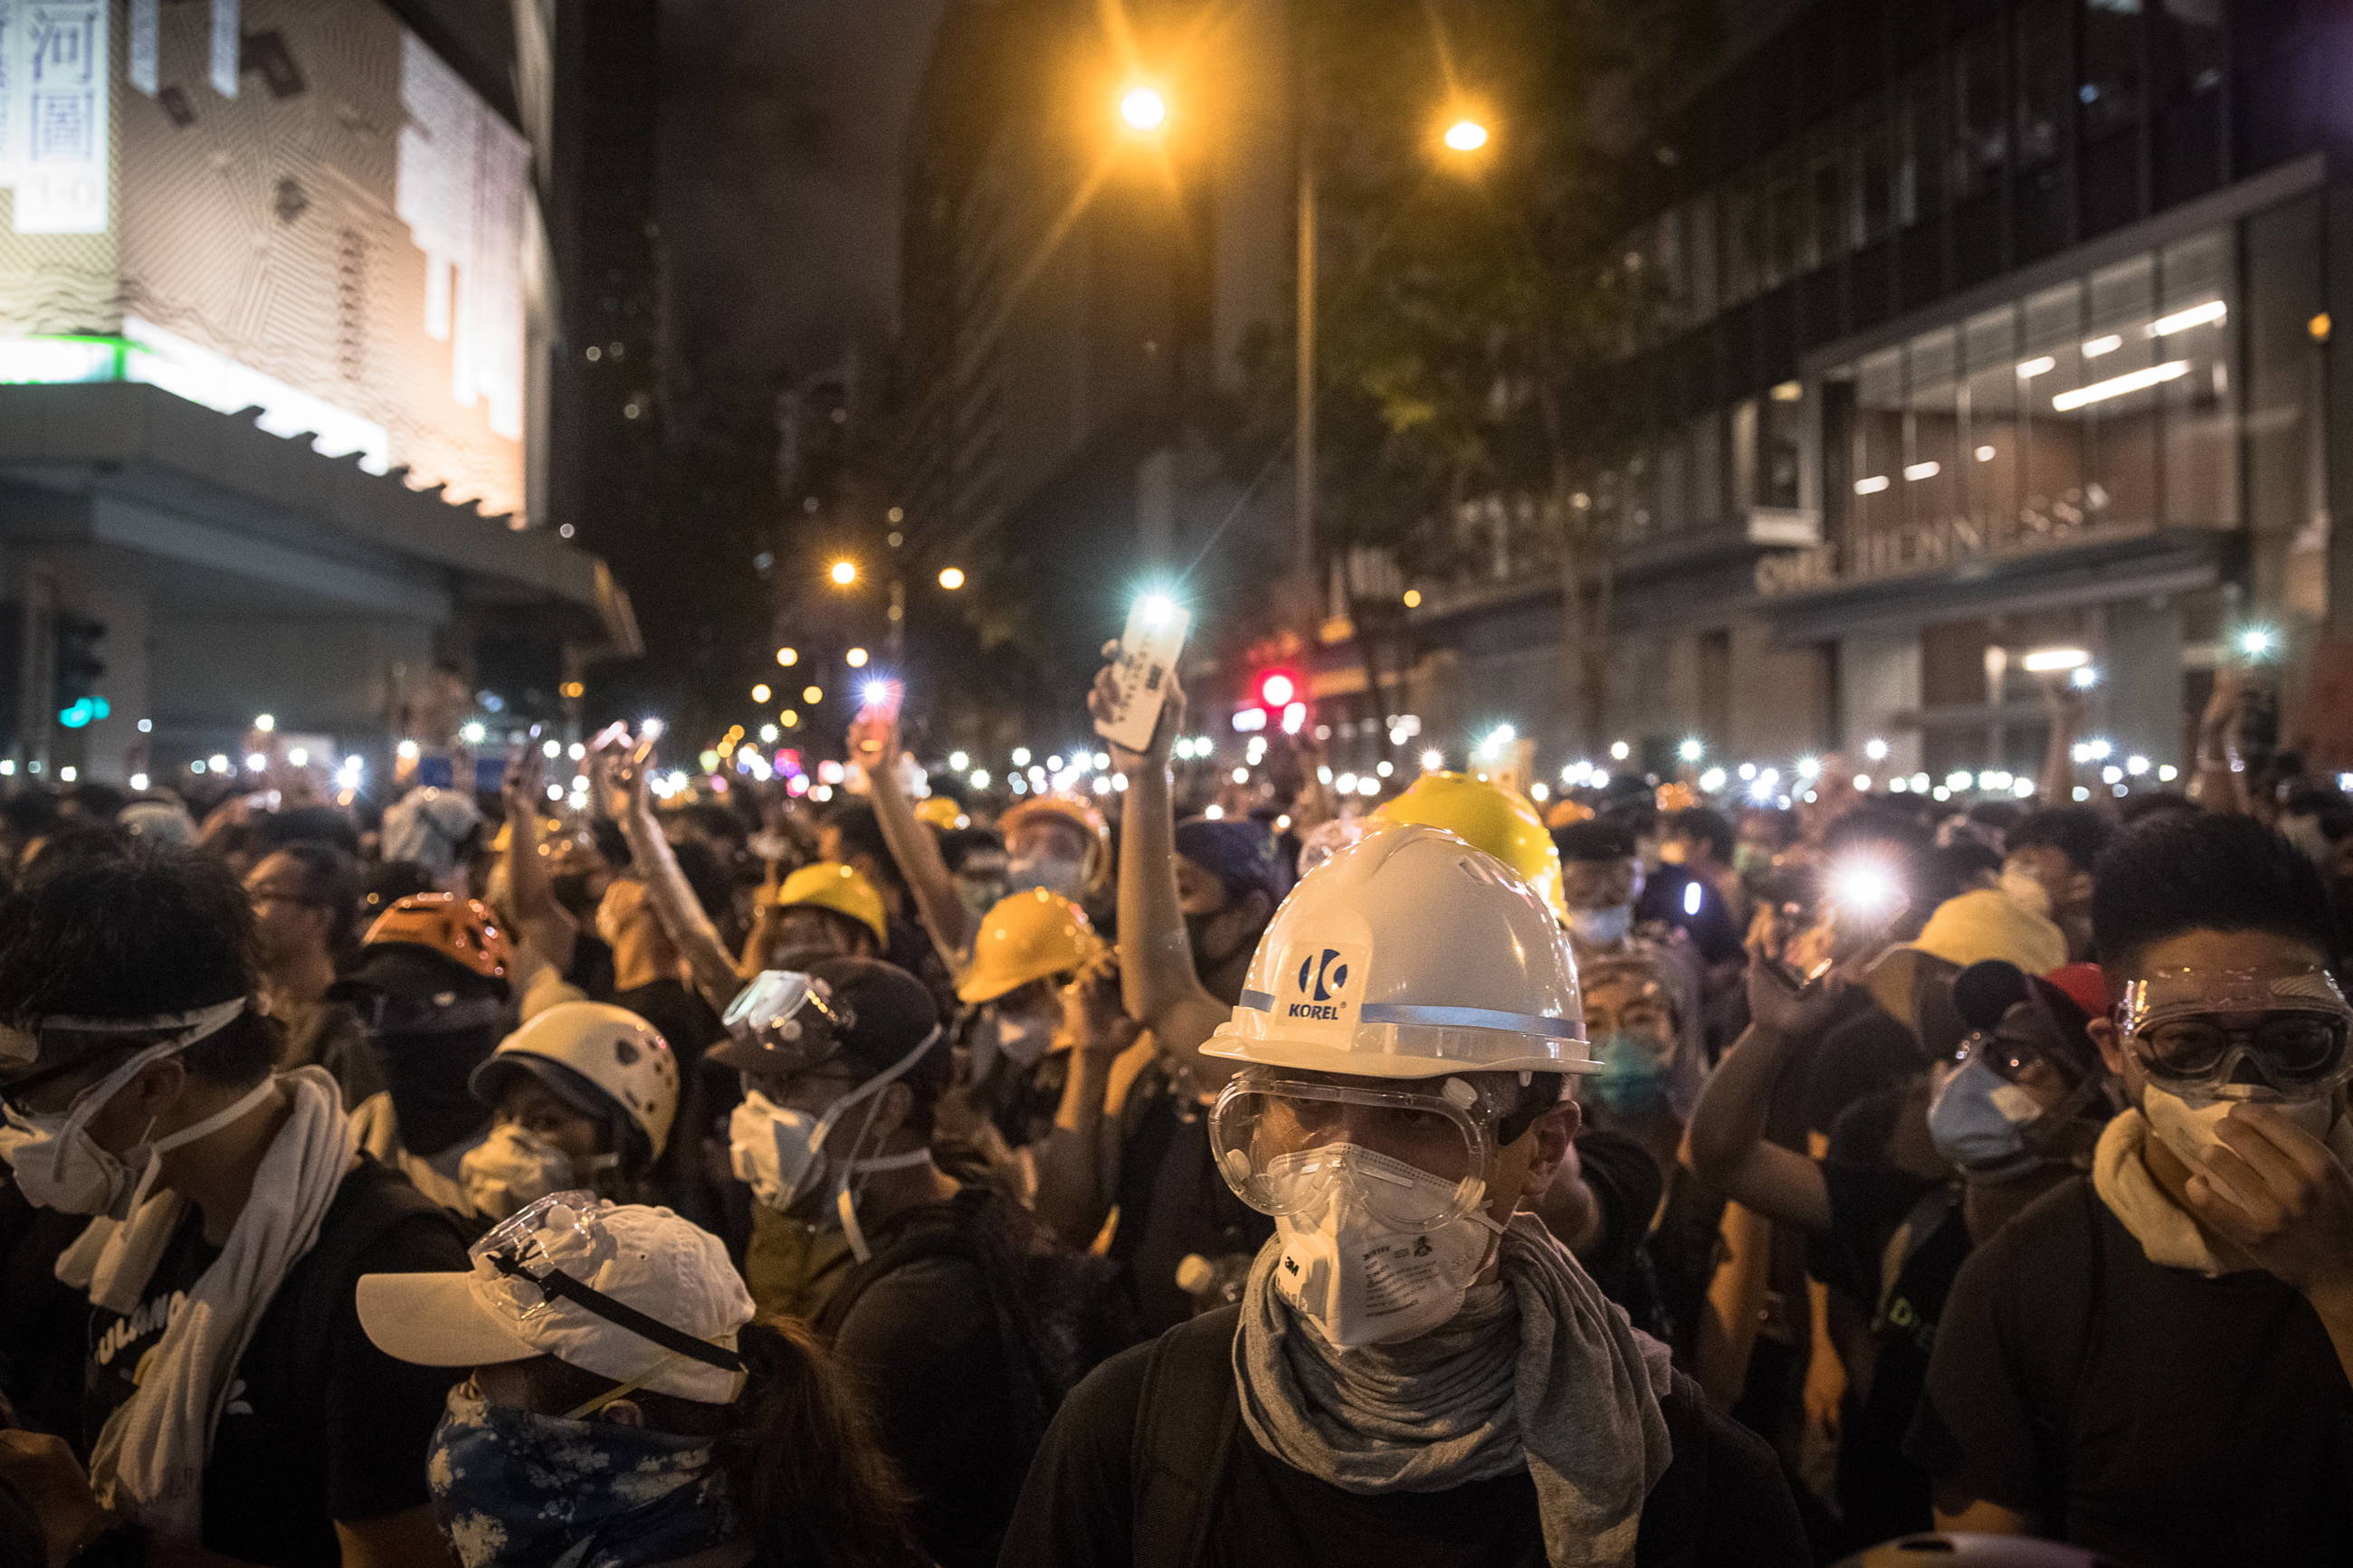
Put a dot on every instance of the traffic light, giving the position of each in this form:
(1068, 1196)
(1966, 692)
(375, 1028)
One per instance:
(76, 668)
(1276, 701)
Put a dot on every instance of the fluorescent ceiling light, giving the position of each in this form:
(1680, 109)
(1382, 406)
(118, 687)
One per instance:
(2117, 386)
(2195, 316)
(2094, 347)
(1871, 485)
(2028, 369)
(1923, 470)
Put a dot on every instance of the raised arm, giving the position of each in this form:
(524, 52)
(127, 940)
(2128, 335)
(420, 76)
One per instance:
(623, 776)
(1157, 981)
(539, 918)
(2219, 783)
(1725, 1143)
(2063, 704)
(1077, 1162)
(874, 741)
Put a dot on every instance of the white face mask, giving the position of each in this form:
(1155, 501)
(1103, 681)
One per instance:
(2188, 1125)
(1362, 1282)
(1055, 873)
(1601, 928)
(1023, 1037)
(59, 1165)
(513, 1167)
(782, 1153)
(2024, 888)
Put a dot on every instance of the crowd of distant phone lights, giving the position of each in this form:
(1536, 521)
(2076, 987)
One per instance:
(1080, 771)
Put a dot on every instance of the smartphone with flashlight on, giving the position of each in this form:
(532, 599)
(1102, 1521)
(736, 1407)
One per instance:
(879, 701)
(1156, 628)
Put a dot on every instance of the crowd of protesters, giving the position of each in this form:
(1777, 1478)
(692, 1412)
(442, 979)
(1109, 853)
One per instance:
(605, 1180)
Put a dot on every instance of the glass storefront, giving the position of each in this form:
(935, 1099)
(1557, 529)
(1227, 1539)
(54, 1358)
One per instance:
(2103, 405)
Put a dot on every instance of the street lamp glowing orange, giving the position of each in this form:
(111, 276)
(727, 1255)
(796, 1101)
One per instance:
(812, 695)
(844, 574)
(951, 578)
(1466, 135)
(760, 692)
(788, 656)
(855, 658)
(1143, 107)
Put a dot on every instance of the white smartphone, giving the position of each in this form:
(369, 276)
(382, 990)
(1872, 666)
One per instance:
(1155, 632)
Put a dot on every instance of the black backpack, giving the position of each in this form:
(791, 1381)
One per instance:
(1190, 1414)
(1061, 1312)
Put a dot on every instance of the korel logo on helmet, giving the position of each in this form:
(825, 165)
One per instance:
(1322, 977)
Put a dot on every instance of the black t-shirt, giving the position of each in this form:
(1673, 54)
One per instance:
(1172, 1202)
(1078, 1509)
(42, 1322)
(2170, 1419)
(1882, 1216)
(1627, 1188)
(312, 1430)
(926, 1341)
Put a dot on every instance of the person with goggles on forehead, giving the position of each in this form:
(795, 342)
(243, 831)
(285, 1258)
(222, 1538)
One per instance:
(231, 1401)
(923, 1289)
(1417, 1370)
(2153, 1362)
(624, 1409)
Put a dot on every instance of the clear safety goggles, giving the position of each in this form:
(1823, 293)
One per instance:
(527, 1253)
(2227, 1033)
(1419, 1155)
(792, 1017)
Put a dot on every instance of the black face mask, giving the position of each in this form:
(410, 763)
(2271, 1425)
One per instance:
(1200, 932)
(429, 1079)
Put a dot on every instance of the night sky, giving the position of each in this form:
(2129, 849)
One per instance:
(781, 129)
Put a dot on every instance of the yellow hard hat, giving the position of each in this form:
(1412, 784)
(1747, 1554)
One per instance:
(844, 890)
(942, 812)
(1487, 817)
(1024, 937)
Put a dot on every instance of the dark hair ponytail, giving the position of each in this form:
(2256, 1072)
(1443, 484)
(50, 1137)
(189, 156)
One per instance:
(808, 1478)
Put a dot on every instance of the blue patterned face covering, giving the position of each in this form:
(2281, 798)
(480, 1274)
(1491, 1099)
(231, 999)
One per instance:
(513, 1487)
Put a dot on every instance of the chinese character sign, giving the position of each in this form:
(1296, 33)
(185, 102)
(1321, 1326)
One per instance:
(54, 113)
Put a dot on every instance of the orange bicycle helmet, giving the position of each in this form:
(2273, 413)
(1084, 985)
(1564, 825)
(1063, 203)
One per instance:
(460, 929)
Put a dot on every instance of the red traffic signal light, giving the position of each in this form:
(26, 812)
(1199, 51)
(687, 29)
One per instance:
(1277, 688)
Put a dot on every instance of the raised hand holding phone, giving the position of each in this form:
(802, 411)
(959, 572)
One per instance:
(1130, 696)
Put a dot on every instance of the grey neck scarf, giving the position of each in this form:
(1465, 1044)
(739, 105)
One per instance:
(1538, 1372)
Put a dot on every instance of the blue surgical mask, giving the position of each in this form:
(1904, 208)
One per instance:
(1634, 1077)
(513, 1487)
(1978, 1120)
(1601, 928)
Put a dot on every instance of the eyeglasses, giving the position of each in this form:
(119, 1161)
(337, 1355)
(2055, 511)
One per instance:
(14, 1094)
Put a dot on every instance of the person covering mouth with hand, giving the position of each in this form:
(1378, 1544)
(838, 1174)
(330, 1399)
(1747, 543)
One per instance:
(2153, 1363)
(1416, 1372)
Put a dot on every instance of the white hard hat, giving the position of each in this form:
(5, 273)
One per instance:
(593, 1046)
(1410, 954)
